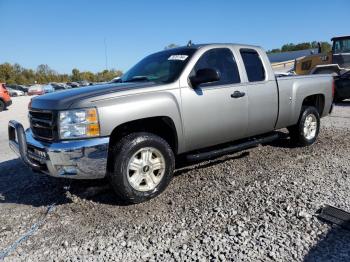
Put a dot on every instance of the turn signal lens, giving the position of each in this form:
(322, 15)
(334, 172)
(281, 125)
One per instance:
(93, 130)
(91, 115)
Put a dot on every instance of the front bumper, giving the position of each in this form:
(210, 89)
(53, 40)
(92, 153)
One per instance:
(78, 159)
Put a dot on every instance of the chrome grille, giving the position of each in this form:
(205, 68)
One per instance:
(42, 124)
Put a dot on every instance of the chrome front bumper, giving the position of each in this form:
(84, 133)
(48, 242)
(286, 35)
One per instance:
(77, 159)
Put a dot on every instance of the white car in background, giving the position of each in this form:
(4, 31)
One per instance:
(14, 92)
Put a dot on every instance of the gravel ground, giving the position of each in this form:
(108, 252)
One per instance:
(256, 205)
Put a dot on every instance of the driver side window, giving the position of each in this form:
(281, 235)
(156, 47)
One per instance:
(221, 60)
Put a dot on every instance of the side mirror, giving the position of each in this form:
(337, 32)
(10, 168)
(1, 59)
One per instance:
(205, 75)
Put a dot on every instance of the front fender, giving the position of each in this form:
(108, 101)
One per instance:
(120, 110)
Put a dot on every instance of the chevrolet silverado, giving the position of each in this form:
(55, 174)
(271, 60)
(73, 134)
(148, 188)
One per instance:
(193, 101)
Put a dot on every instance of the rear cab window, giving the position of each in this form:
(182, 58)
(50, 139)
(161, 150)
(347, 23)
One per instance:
(253, 65)
(222, 60)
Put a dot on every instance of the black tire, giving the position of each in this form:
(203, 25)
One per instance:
(123, 151)
(2, 106)
(296, 132)
(338, 100)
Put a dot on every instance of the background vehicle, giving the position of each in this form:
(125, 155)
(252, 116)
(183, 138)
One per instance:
(22, 88)
(14, 92)
(60, 86)
(48, 88)
(342, 90)
(73, 84)
(5, 99)
(198, 101)
(337, 61)
(83, 83)
(36, 90)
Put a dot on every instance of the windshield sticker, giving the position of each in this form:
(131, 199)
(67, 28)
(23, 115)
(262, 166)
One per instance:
(178, 57)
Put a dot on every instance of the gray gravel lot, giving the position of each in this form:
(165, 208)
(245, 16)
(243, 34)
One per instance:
(256, 205)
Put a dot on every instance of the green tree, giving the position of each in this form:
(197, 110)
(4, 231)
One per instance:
(88, 76)
(75, 75)
(276, 50)
(6, 73)
(326, 47)
(16, 74)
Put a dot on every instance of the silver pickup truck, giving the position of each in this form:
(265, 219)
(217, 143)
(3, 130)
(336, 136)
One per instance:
(193, 101)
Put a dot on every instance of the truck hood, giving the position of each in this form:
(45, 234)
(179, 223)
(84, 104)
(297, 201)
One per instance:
(64, 99)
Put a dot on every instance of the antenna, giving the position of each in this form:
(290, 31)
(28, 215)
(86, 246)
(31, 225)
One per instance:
(106, 60)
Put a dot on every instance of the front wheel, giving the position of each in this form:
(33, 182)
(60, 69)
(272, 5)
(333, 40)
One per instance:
(305, 132)
(143, 167)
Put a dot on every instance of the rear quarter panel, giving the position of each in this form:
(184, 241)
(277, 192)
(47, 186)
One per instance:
(292, 92)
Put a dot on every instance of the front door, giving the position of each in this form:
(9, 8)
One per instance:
(213, 113)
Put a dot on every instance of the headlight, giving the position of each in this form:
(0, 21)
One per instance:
(79, 123)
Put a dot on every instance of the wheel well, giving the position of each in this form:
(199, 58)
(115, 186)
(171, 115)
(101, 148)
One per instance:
(162, 126)
(315, 100)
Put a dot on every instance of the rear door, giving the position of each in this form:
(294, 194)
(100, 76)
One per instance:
(262, 93)
(210, 114)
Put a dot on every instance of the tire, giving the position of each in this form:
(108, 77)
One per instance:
(143, 167)
(2, 106)
(337, 99)
(302, 134)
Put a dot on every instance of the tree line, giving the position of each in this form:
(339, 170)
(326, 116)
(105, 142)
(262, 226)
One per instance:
(16, 74)
(325, 46)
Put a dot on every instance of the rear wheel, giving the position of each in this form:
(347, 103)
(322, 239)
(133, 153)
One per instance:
(2, 106)
(337, 99)
(143, 167)
(305, 132)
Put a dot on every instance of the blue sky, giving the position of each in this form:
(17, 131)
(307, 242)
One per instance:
(66, 34)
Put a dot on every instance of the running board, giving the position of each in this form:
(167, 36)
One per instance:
(335, 216)
(232, 149)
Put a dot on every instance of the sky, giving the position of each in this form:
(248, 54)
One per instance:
(72, 34)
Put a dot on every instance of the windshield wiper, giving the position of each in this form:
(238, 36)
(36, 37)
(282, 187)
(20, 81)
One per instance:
(137, 79)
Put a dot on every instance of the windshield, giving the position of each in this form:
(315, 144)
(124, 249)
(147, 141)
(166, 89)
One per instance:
(342, 46)
(163, 67)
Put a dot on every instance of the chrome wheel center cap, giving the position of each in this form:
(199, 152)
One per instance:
(145, 169)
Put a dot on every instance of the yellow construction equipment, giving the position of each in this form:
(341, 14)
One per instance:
(334, 62)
